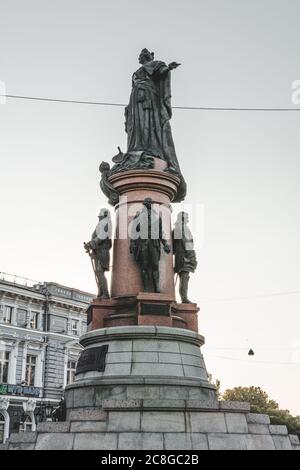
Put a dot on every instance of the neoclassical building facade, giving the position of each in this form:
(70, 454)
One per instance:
(39, 330)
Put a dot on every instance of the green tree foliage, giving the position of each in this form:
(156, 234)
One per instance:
(284, 417)
(257, 398)
(261, 403)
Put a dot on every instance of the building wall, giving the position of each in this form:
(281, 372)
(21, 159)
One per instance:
(61, 319)
(54, 369)
(19, 361)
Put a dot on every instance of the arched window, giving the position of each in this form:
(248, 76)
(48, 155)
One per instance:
(26, 424)
(2, 423)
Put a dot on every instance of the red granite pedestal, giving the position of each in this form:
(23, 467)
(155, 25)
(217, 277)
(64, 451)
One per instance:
(129, 305)
(142, 309)
(134, 186)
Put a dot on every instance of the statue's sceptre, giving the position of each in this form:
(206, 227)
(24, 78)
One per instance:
(91, 253)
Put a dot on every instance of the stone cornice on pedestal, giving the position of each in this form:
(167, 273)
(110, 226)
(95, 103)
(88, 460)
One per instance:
(137, 181)
(179, 404)
(155, 297)
(142, 332)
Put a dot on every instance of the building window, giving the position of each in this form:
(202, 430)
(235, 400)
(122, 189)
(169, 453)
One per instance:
(34, 317)
(22, 317)
(30, 370)
(8, 311)
(75, 327)
(26, 425)
(2, 424)
(4, 362)
(71, 368)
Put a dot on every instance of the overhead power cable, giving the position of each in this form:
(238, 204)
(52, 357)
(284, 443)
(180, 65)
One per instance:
(101, 103)
(249, 297)
(253, 361)
(220, 348)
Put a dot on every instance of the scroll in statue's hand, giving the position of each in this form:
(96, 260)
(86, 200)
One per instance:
(87, 246)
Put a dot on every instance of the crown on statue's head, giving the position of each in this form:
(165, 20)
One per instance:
(146, 51)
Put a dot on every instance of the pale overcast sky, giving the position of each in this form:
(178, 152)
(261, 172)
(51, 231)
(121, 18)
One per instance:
(243, 167)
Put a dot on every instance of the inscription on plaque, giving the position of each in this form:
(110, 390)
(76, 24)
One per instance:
(155, 309)
(92, 360)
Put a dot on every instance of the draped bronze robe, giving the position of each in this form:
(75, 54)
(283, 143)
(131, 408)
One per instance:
(149, 112)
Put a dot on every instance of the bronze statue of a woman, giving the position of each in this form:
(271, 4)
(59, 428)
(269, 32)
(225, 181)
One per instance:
(149, 111)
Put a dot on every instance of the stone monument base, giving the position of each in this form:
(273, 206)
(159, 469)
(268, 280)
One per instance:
(141, 362)
(157, 424)
(146, 388)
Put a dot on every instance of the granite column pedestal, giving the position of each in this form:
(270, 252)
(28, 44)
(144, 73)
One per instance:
(134, 186)
(152, 394)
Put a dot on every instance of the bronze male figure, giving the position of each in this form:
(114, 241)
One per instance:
(98, 249)
(185, 256)
(145, 245)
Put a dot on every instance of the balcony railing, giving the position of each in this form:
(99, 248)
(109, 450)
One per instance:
(19, 280)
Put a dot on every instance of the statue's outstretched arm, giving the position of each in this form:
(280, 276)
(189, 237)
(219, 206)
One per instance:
(173, 65)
